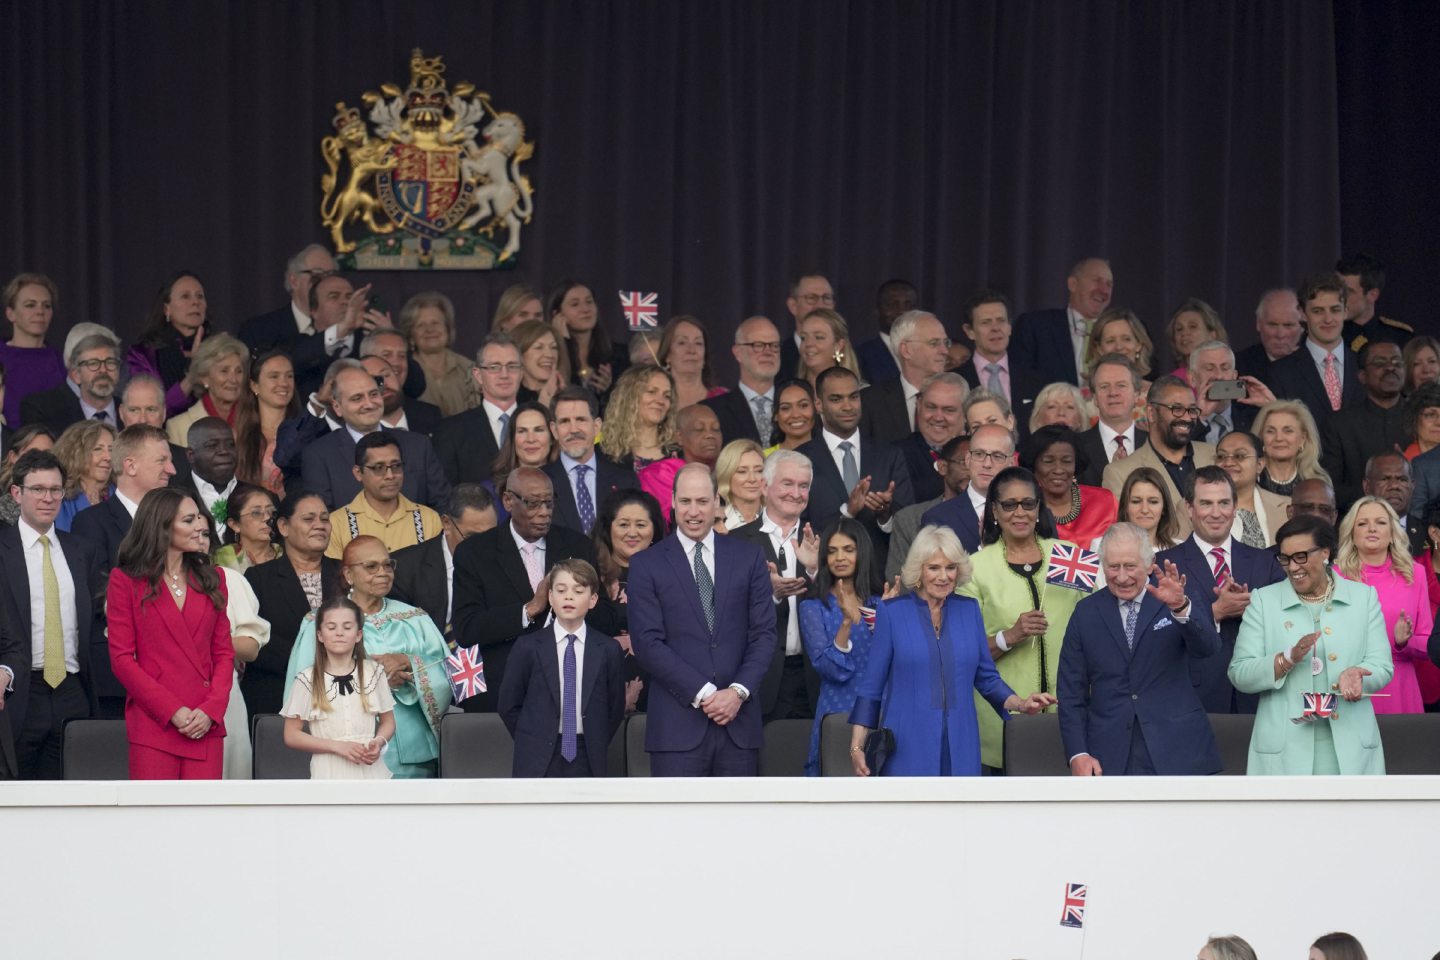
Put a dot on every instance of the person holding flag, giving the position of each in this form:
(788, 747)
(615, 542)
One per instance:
(1026, 609)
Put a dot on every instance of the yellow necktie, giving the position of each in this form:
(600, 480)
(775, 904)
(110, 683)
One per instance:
(54, 632)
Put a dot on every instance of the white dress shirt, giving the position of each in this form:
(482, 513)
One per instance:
(912, 397)
(304, 324)
(493, 413)
(1107, 440)
(449, 577)
(780, 538)
(209, 494)
(1079, 337)
(130, 505)
(977, 500)
(399, 423)
(560, 644)
(34, 555)
(521, 543)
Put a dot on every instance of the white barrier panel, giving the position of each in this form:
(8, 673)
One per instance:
(804, 869)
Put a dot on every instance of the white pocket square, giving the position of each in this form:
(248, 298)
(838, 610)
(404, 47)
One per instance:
(1162, 622)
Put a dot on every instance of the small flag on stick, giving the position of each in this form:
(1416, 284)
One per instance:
(1073, 567)
(467, 673)
(1320, 706)
(642, 310)
(1072, 914)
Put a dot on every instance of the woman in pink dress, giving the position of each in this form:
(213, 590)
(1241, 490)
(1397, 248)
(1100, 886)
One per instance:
(1373, 551)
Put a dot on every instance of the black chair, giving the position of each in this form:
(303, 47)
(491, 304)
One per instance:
(786, 745)
(1232, 739)
(95, 750)
(272, 760)
(475, 746)
(1411, 741)
(1033, 747)
(835, 732)
(637, 761)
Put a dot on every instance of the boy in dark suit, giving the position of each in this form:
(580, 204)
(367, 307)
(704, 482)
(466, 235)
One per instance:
(563, 682)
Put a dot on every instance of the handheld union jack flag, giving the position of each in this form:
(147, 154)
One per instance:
(1319, 706)
(1072, 914)
(466, 671)
(1073, 567)
(642, 310)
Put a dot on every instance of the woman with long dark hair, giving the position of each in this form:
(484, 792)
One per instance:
(630, 521)
(576, 320)
(169, 639)
(267, 402)
(177, 325)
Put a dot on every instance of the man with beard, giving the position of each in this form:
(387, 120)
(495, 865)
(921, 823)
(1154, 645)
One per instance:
(1173, 414)
(94, 364)
(1352, 436)
(582, 476)
(402, 410)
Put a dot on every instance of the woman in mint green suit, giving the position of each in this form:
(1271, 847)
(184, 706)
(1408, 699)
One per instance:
(1312, 632)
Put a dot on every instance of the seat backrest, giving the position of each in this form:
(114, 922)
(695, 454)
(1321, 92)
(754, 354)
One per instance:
(1033, 747)
(1232, 739)
(272, 759)
(835, 731)
(786, 747)
(1411, 741)
(95, 750)
(637, 761)
(475, 746)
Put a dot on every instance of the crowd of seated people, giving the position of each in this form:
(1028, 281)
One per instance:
(886, 529)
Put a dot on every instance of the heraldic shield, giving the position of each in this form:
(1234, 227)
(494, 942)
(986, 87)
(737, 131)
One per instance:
(432, 182)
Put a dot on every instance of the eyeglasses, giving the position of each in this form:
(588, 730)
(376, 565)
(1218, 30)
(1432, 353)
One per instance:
(382, 469)
(1238, 457)
(547, 504)
(464, 534)
(1029, 504)
(373, 567)
(262, 514)
(1299, 556)
(495, 368)
(45, 493)
(1178, 410)
(988, 456)
(761, 346)
(953, 463)
(94, 365)
(934, 343)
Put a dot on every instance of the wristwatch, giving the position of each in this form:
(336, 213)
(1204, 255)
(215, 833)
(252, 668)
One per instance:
(740, 692)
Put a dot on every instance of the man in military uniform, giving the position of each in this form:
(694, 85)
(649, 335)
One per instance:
(1364, 278)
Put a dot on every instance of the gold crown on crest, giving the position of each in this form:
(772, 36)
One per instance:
(426, 72)
(346, 117)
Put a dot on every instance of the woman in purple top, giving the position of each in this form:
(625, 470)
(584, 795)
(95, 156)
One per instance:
(1373, 550)
(30, 364)
(177, 325)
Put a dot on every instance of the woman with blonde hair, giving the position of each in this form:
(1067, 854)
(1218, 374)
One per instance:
(1226, 948)
(685, 351)
(1292, 446)
(544, 367)
(219, 373)
(84, 451)
(518, 304)
(739, 479)
(640, 417)
(427, 322)
(1061, 403)
(1375, 551)
(1119, 330)
(824, 343)
(1194, 322)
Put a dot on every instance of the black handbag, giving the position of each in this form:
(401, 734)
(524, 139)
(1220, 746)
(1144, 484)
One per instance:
(879, 745)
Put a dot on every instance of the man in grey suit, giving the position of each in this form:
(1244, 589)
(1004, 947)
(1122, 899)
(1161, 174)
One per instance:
(954, 471)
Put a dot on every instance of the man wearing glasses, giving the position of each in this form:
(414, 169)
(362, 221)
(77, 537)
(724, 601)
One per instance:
(747, 413)
(992, 449)
(1169, 449)
(283, 324)
(922, 350)
(89, 394)
(468, 442)
(380, 510)
(809, 292)
(1352, 436)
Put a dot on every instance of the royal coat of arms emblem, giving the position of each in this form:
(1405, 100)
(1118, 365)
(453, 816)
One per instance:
(433, 180)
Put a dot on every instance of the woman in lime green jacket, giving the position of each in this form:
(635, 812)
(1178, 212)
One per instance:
(1025, 618)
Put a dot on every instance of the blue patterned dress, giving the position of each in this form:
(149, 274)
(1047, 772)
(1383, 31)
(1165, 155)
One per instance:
(839, 672)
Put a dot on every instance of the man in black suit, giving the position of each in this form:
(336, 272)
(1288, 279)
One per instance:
(326, 464)
(403, 410)
(810, 291)
(747, 412)
(856, 475)
(468, 442)
(1352, 436)
(141, 456)
(56, 594)
(500, 590)
(1116, 388)
(582, 476)
(992, 449)
(792, 687)
(1322, 374)
(1213, 361)
(212, 458)
(921, 346)
(398, 412)
(424, 573)
(143, 401)
(283, 325)
(88, 394)
(1277, 320)
(340, 319)
(940, 416)
(876, 355)
(994, 365)
(1054, 340)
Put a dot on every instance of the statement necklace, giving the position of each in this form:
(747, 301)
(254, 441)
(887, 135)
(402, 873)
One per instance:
(1074, 505)
(176, 587)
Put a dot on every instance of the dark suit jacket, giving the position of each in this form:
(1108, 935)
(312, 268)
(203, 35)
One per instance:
(530, 700)
(307, 353)
(326, 467)
(103, 526)
(1353, 436)
(877, 363)
(609, 476)
(57, 408)
(1105, 688)
(883, 412)
(15, 654)
(1296, 378)
(673, 645)
(421, 415)
(879, 461)
(1248, 565)
(491, 590)
(925, 483)
(421, 581)
(1253, 361)
(1042, 340)
(183, 479)
(283, 604)
(959, 515)
(770, 689)
(1426, 471)
(1097, 457)
(466, 446)
(91, 650)
(737, 419)
(1025, 384)
(269, 330)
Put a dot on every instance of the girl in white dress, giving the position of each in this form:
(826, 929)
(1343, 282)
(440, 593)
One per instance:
(344, 699)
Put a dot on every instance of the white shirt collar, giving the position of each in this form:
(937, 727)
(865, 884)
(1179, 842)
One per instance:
(977, 500)
(688, 545)
(749, 393)
(209, 493)
(769, 524)
(1107, 436)
(560, 634)
(399, 424)
(521, 542)
(833, 442)
(1320, 353)
(495, 411)
(29, 535)
(357, 436)
(304, 323)
(1228, 546)
(126, 502)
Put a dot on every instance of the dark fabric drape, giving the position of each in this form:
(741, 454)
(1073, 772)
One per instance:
(705, 150)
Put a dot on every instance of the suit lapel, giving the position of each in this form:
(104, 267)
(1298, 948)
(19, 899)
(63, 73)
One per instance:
(683, 564)
(1200, 562)
(512, 564)
(550, 666)
(1110, 613)
(825, 470)
(180, 624)
(432, 567)
(591, 669)
(1150, 610)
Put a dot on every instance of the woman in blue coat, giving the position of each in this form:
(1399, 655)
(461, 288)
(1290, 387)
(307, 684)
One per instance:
(928, 653)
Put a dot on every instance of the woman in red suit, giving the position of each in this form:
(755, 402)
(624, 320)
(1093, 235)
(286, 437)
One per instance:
(170, 642)
(1082, 513)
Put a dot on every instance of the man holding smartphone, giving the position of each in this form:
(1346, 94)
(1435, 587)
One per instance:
(1228, 401)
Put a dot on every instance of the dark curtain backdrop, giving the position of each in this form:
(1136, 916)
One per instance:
(705, 150)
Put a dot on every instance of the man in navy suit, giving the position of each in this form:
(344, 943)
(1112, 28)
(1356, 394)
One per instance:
(994, 366)
(747, 412)
(582, 476)
(855, 474)
(468, 442)
(1054, 340)
(992, 449)
(1127, 703)
(702, 624)
(876, 356)
(284, 324)
(939, 418)
(1322, 357)
(922, 349)
(1219, 572)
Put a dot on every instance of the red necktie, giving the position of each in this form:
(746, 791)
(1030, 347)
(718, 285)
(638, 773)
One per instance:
(1222, 569)
(1119, 447)
(1332, 381)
